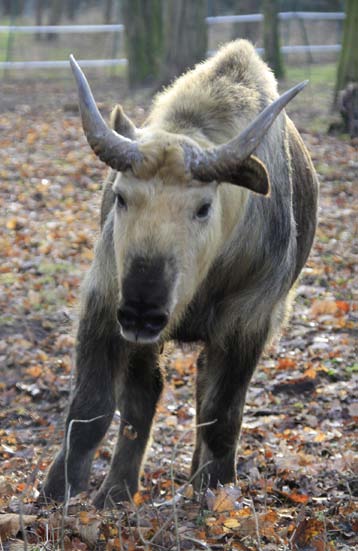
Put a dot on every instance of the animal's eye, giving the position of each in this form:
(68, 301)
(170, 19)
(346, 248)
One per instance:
(120, 201)
(203, 211)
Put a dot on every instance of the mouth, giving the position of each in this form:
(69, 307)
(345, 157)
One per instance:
(139, 336)
(141, 327)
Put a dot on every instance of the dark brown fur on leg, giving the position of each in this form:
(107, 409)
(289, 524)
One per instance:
(138, 397)
(222, 381)
(97, 359)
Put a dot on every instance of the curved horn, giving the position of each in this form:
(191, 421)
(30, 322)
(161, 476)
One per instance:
(116, 151)
(222, 162)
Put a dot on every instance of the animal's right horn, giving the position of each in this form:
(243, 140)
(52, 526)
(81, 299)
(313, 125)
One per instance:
(222, 163)
(116, 151)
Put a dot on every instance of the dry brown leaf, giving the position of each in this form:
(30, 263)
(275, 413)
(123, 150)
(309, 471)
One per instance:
(309, 529)
(286, 363)
(10, 524)
(6, 487)
(130, 432)
(34, 371)
(321, 307)
(84, 518)
(231, 523)
(226, 499)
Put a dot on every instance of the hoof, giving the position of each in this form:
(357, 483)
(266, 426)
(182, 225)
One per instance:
(111, 497)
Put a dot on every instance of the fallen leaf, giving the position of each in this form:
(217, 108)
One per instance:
(231, 523)
(320, 307)
(226, 499)
(10, 524)
(286, 363)
(130, 432)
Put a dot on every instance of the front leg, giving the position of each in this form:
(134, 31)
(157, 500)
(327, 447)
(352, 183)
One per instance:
(137, 399)
(97, 359)
(100, 355)
(222, 380)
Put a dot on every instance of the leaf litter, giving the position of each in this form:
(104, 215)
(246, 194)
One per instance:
(297, 461)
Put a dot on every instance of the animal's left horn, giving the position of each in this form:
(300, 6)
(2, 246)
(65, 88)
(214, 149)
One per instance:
(116, 151)
(221, 162)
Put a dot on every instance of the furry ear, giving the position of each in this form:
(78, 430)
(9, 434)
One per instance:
(251, 174)
(122, 124)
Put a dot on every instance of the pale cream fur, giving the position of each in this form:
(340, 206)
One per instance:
(225, 93)
(206, 107)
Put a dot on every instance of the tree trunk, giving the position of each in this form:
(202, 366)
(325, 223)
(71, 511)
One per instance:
(13, 7)
(108, 9)
(55, 17)
(186, 36)
(71, 9)
(39, 7)
(144, 40)
(348, 60)
(272, 37)
(245, 30)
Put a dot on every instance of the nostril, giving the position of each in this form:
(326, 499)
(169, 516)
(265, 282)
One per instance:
(155, 321)
(140, 318)
(127, 317)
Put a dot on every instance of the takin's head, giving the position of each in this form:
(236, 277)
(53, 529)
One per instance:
(168, 219)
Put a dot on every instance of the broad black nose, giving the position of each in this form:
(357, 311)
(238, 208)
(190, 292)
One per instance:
(140, 322)
(146, 290)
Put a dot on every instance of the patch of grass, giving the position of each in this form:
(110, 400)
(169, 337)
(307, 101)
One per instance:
(6, 320)
(4, 38)
(325, 169)
(312, 109)
(8, 278)
(352, 368)
(51, 268)
(319, 74)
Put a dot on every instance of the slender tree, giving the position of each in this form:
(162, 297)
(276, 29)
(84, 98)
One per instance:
(186, 36)
(108, 9)
(348, 60)
(12, 7)
(56, 11)
(245, 29)
(144, 40)
(72, 7)
(346, 90)
(39, 8)
(272, 37)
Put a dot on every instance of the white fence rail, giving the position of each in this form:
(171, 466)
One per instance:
(60, 29)
(62, 64)
(72, 29)
(283, 16)
(300, 49)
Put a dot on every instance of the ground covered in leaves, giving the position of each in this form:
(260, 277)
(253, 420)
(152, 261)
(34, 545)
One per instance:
(296, 461)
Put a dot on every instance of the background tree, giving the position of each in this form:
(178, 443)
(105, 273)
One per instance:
(186, 36)
(348, 59)
(72, 7)
(346, 89)
(56, 11)
(39, 9)
(107, 12)
(12, 7)
(272, 37)
(144, 40)
(245, 29)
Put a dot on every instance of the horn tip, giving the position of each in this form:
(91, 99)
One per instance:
(73, 61)
(296, 89)
(303, 84)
